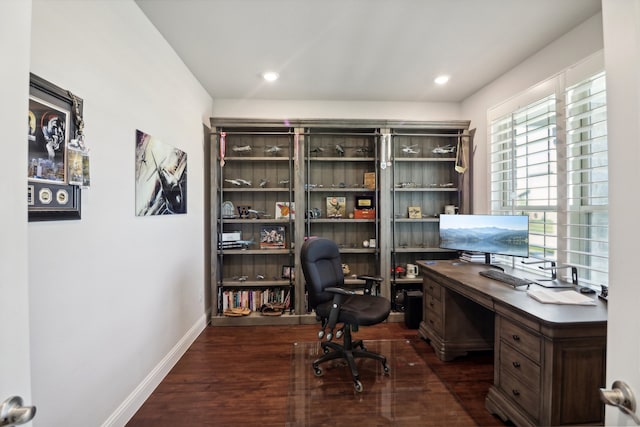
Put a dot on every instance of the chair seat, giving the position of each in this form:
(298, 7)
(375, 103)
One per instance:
(361, 310)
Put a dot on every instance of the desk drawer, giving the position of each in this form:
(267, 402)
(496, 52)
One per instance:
(434, 320)
(432, 304)
(432, 288)
(520, 367)
(525, 397)
(520, 338)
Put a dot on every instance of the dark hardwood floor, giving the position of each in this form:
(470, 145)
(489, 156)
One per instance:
(239, 375)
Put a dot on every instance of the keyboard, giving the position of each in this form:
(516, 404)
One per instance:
(503, 277)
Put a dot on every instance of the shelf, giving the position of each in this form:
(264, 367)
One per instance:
(357, 251)
(256, 159)
(230, 283)
(341, 159)
(341, 190)
(256, 189)
(405, 281)
(257, 319)
(416, 220)
(422, 250)
(425, 189)
(255, 221)
(339, 220)
(424, 159)
(254, 251)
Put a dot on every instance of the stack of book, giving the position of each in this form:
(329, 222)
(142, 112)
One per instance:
(230, 240)
(230, 245)
(475, 257)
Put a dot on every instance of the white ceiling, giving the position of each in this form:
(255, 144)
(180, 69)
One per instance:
(358, 50)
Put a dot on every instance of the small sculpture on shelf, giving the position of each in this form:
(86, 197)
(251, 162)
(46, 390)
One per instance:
(273, 149)
(243, 211)
(241, 149)
(445, 149)
(410, 149)
(238, 182)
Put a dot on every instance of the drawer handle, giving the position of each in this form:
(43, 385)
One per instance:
(516, 364)
(515, 337)
(515, 392)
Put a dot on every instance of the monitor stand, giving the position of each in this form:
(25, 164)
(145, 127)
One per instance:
(554, 282)
(487, 261)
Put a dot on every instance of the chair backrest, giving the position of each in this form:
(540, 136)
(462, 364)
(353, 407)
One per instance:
(321, 267)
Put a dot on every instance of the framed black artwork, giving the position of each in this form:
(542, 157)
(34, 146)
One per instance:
(55, 121)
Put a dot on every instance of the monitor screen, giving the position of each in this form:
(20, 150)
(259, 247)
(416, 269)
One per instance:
(489, 234)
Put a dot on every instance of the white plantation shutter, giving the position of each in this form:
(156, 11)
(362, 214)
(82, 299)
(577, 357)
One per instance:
(555, 170)
(586, 233)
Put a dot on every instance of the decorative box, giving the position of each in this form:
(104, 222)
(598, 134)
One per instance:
(364, 213)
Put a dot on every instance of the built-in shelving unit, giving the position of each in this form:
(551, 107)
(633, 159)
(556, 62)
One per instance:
(255, 216)
(424, 181)
(352, 182)
(340, 203)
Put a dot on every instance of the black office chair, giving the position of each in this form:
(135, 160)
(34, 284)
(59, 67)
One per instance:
(334, 304)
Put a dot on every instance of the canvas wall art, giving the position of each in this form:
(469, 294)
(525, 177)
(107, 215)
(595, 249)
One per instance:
(161, 177)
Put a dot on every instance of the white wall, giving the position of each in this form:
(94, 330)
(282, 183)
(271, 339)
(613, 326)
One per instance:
(573, 47)
(114, 298)
(343, 110)
(622, 58)
(15, 17)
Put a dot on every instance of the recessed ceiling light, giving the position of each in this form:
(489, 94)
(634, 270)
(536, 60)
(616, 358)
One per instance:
(441, 80)
(270, 76)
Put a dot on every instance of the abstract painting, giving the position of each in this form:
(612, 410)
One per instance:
(161, 177)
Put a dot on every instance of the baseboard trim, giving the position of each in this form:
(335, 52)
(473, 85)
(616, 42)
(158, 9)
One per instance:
(141, 393)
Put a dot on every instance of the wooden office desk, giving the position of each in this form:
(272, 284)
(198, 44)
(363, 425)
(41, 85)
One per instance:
(549, 359)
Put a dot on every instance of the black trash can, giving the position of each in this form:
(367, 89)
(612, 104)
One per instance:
(412, 309)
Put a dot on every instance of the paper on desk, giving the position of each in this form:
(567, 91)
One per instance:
(560, 297)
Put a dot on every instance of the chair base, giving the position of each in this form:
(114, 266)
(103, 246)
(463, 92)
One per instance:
(349, 351)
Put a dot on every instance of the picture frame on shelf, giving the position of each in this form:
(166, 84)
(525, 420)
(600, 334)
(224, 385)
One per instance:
(415, 212)
(285, 210)
(370, 180)
(336, 207)
(273, 237)
(288, 272)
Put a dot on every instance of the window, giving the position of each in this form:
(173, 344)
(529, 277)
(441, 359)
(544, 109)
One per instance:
(549, 161)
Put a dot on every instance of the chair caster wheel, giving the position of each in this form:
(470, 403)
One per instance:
(339, 334)
(358, 386)
(385, 368)
(329, 336)
(326, 350)
(317, 372)
(320, 334)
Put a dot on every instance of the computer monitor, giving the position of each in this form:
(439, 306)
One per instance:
(488, 234)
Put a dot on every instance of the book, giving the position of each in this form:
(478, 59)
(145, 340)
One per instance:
(475, 257)
(272, 237)
(570, 297)
(336, 207)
